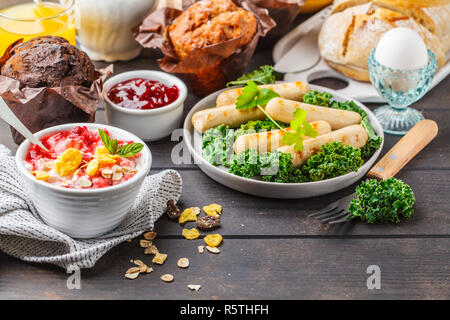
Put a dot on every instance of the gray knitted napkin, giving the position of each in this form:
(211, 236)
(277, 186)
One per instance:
(24, 235)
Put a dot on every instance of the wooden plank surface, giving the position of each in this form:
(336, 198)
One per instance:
(245, 215)
(251, 268)
(271, 249)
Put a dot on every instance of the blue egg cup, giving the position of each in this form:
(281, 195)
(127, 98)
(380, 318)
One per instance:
(400, 88)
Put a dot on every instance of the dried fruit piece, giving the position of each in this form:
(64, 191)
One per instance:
(213, 210)
(213, 240)
(145, 243)
(167, 277)
(150, 235)
(194, 287)
(190, 234)
(208, 222)
(173, 212)
(213, 249)
(189, 214)
(151, 250)
(148, 270)
(183, 263)
(159, 258)
(201, 249)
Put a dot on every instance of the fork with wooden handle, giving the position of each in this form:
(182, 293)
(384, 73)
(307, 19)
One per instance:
(396, 158)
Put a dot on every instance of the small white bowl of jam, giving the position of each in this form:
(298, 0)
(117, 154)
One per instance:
(144, 102)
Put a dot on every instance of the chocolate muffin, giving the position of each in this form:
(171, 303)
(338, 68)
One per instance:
(49, 61)
(211, 22)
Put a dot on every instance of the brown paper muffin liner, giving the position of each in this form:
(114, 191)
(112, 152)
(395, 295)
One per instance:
(208, 68)
(283, 12)
(40, 108)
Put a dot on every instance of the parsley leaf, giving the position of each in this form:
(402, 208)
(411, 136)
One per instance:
(264, 75)
(125, 151)
(247, 99)
(300, 128)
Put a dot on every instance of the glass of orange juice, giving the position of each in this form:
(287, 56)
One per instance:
(28, 19)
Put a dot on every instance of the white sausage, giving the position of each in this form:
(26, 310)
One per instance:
(271, 140)
(227, 115)
(283, 110)
(355, 136)
(289, 90)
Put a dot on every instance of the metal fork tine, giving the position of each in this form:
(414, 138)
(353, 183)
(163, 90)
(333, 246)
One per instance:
(329, 214)
(328, 208)
(340, 214)
(344, 219)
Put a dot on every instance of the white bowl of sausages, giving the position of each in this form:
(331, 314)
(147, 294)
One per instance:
(257, 187)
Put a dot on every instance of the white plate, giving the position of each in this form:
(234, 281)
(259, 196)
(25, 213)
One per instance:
(272, 189)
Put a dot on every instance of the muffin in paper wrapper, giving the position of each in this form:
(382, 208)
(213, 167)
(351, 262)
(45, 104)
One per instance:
(40, 108)
(208, 68)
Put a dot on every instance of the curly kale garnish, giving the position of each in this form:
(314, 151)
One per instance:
(217, 145)
(371, 146)
(259, 125)
(332, 160)
(382, 201)
(271, 166)
(318, 98)
(264, 75)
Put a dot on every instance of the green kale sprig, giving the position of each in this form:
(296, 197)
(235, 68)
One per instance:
(271, 166)
(264, 75)
(217, 145)
(332, 160)
(382, 201)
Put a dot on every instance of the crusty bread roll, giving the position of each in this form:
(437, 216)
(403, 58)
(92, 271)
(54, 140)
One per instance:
(432, 14)
(348, 36)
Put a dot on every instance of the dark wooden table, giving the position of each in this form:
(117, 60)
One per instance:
(271, 248)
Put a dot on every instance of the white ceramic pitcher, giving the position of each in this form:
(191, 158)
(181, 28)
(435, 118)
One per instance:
(105, 27)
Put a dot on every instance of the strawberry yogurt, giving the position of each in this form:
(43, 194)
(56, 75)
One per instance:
(79, 159)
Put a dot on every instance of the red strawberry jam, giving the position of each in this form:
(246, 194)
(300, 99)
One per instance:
(143, 94)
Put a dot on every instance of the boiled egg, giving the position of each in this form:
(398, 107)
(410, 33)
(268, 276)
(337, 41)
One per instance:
(402, 49)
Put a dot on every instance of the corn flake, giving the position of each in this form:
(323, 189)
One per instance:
(92, 167)
(68, 162)
(190, 234)
(41, 175)
(213, 210)
(213, 240)
(189, 214)
(159, 258)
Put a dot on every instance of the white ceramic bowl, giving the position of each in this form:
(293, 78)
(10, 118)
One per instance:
(272, 189)
(84, 213)
(149, 125)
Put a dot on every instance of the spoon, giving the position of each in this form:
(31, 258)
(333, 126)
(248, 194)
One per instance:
(9, 117)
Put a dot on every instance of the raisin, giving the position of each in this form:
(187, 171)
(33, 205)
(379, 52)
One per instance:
(173, 212)
(208, 222)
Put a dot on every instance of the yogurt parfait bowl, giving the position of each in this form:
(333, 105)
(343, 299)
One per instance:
(145, 102)
(89, 179)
